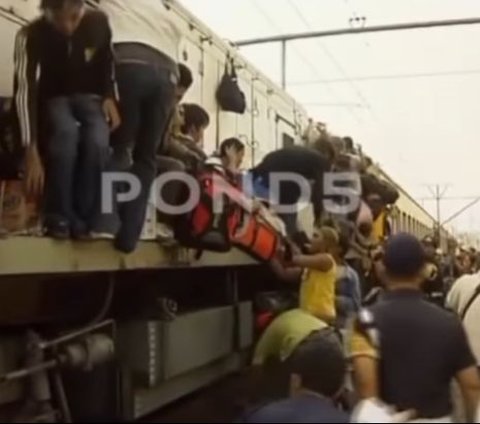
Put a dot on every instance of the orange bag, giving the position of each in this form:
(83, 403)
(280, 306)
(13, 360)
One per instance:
(254, 236)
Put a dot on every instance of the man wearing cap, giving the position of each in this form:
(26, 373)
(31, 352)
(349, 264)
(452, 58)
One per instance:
(407, 351)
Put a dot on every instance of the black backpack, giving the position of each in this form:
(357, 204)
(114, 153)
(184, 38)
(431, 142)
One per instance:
(229, 95)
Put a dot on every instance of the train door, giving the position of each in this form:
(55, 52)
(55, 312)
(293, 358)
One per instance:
(212, 72)
(244, 122)
(263, 139)
(285, 131)
(191, 55)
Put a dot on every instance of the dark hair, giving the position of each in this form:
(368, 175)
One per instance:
(231, 142)
(59, 4)
(194, 116)
(186, 77)
(320, 362)
(404, 256)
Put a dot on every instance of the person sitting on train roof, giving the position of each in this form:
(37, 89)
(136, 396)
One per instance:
(228, 159)
(187, 134)
(179, 151)
(314, 372)
(147, 42)
(305, 162)
(76, 95)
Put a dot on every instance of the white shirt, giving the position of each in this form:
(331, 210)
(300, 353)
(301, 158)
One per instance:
(460, 294)
(143, 21)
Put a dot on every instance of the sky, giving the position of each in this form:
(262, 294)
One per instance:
(410, 98)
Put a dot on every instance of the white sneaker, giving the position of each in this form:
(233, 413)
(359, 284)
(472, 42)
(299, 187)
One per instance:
(101, 236)
(164, 231)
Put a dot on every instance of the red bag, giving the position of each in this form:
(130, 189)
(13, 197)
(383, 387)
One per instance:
(254, 236)
(202, 228)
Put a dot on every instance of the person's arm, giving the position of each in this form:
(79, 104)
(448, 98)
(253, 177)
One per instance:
(321, 262)
(107, 68)
(26, 64)
(464, 368)
(365, 377)
(286, 274)
(317, 197)
(364, 357)
(469, 382)
(178, 150)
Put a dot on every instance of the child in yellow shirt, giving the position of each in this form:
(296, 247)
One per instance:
(317, 290)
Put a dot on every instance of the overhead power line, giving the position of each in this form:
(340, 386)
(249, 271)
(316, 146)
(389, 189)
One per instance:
(301, 54)
(360, 30)
(385, 77)
(331, 57)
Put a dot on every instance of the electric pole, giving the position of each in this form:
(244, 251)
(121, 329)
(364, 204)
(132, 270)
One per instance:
(438, 194)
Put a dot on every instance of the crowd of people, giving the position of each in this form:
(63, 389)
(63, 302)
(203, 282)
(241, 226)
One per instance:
(403, 355)
(377, 324)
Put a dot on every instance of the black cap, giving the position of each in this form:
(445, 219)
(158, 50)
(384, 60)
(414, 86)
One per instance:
(404, 256)
(320, 362)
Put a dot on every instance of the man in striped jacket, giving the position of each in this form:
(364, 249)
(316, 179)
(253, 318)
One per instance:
(64, 75)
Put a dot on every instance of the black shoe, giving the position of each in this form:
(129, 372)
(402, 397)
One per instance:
(80, 232)
(59, 230)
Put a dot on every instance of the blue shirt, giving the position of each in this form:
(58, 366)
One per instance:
(301, 409)
(348, 292)
(255, 187)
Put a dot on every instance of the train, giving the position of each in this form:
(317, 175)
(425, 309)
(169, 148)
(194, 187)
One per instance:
(88, 333)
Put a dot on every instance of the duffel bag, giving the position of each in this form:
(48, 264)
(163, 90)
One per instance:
(253, 235)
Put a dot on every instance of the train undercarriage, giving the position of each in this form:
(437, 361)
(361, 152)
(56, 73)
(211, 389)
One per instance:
(116, 337)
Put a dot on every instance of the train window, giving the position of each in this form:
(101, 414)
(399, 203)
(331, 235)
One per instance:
(287, 140)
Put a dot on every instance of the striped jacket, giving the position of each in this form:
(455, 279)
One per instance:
(49, 64)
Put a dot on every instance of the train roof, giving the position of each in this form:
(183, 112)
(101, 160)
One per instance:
(37, 255)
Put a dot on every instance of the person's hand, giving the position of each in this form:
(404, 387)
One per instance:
(34, 172)
(256, 206)
(377, 254)
(111, 113)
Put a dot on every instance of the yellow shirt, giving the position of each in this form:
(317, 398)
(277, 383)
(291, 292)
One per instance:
(378, 231)
(317, 292)
(284, 334)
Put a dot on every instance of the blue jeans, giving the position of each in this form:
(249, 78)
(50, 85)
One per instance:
(147, 94)
(77, 153)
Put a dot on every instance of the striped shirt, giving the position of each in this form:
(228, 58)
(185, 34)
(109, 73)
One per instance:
(48, 64)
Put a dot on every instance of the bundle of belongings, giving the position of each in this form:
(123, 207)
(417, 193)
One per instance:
(18, 214)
